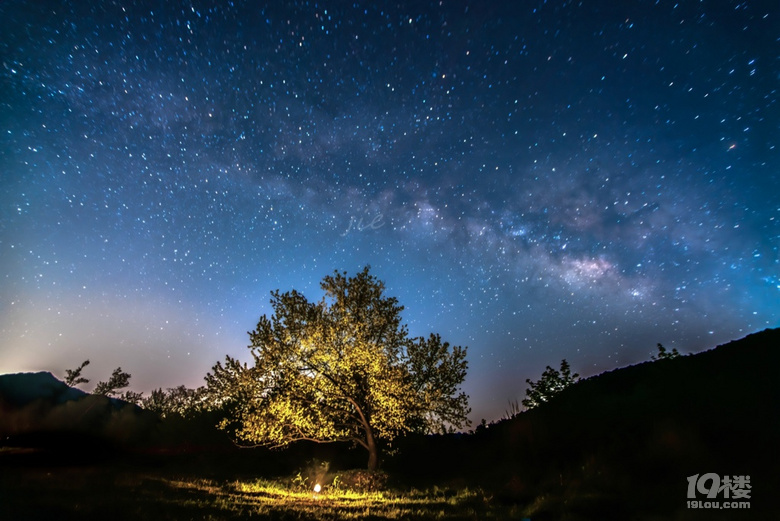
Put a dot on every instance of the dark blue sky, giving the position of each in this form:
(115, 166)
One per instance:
(534, 180)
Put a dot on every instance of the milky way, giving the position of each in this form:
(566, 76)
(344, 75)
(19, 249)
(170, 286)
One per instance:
(534, 180)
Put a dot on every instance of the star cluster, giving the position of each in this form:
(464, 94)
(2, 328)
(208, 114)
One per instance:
(535, 180)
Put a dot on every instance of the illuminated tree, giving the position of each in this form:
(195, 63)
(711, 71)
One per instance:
(551, 383)
(341, 369)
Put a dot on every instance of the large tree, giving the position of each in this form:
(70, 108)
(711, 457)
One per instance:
(341, 369)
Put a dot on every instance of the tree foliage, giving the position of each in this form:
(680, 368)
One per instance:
(551, 383)
(341, 369)
(119, 380)
(663, 354)
(176, 401)
(132, 397)
(73, 376)
(436, 371)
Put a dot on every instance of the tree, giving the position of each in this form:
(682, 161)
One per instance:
(341, 369)
(176, 401)
(663, 354)
(436, 372)
(118, 380)
(132, 397)
(551, 383)
(73, 376)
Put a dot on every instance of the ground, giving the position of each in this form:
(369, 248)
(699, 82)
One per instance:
(123, 490)
(32, 487)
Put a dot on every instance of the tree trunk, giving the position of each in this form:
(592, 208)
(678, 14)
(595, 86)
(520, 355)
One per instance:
(373, 451)
(370, 444)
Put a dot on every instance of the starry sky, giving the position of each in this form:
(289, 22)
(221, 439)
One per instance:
(535, 180)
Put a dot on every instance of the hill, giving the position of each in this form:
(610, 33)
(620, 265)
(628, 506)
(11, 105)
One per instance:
(628, 439)
(38, 410)
(20, 389)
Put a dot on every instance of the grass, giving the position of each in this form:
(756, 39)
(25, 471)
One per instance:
(130, 492)
(214, 489)
(272, 498)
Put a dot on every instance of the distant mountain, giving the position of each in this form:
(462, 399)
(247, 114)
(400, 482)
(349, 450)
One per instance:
(628, 439)
(39, 409)
(20, 389)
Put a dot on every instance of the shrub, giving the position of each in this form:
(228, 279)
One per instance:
(360, 480)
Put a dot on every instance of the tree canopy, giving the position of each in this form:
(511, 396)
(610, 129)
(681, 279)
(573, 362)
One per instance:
(341, 369)
(176, 401)
(119, 380)
(663, 354)
(110, 389)
(551, 383)
(73, 376)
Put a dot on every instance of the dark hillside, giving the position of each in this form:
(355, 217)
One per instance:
(19, 389)
(37, 410)
(628, 439)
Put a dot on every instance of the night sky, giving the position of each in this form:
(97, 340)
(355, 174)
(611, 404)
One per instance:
(535, 180)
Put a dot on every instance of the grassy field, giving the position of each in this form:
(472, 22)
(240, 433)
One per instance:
(32, 487)
(123, 490)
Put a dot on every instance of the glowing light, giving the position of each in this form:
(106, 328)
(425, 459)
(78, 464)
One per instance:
(317, 488)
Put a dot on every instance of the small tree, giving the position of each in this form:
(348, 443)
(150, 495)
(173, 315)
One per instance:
(73, 376)
(118, 380)
(663, 354)
(551, 383)
(342, 369)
